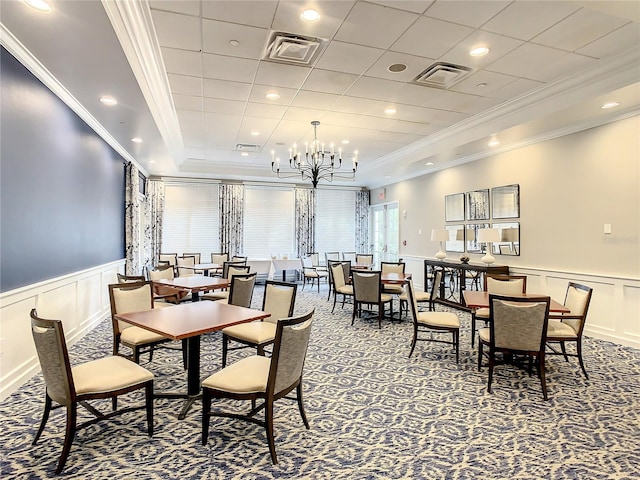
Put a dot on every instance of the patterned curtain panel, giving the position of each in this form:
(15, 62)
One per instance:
(362, 221)
(305, 220)
(231, 218)
(154, 208)
(132, 220)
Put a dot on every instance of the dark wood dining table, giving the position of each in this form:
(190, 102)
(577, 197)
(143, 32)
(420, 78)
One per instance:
(394, 278)
(480, 299)
(188, 321)
(196, 284)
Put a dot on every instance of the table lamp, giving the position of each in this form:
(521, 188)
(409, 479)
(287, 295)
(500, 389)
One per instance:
(440, 235)
(488, 236)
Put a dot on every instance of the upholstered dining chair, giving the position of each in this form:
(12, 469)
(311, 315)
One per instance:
(263, 378)
(167, 292)
(196, 256)
(331, 256)
(427, 296)
(69, 387)
(241, 290)
(432, 322)
(229, 269)
(392, 267)
(350, 256)
(279, 300)
(517, 326)
(499, 284)
(312, 274)
(367, 290)
(170, 259)
(364, 259)
(338, 278)
(568, 327)
(185, 265)
(171, 296)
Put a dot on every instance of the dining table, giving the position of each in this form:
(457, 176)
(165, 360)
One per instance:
(188, 321)
(475, 299)
(196, 284)
(206, 267)
(393, 278)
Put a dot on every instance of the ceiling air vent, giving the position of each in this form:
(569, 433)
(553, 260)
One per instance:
(246, 147)
(293, 49)
(441, 75)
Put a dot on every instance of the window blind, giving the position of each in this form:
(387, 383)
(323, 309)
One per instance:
(268, 221)
(335, 220)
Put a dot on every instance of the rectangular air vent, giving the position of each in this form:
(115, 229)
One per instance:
(442, 75)
(293, 49)
(246, 147)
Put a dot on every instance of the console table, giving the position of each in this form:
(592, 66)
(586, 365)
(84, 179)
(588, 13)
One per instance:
(460, 272)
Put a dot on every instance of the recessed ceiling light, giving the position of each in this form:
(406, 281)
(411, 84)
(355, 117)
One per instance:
(428, 164)
(136, 140)
(152, 161)
(272, 96)
(310, 15)
(494, 142)
(397, 67)
(610, 105)
(479, 51)
(344, 142)
(244, 154)
(38, 5)
(108, 101)
(481, 85)
(255, 133)
(390, 110)
(234, 43)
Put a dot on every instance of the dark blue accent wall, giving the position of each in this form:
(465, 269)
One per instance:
(61, 185)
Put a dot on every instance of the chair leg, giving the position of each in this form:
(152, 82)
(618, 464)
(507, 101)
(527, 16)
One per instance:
(301, 406)
(473, 328)
(456, 340)
(564, 351)
(479, 355)
(136, 354)
(579, 352)
(491, 361)
(206, 414)
(541, 372)
(148, 391)
(355, 309)
(268, 425)
(225, 349)
(72, 411)
(45, 417)
(380, 313)
(415, 339)
(151, 353)
(335, 298)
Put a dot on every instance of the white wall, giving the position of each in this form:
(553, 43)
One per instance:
(80, 300)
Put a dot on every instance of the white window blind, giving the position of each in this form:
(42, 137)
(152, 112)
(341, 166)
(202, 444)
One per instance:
(335, 220)
(190, 221)
(269, 221)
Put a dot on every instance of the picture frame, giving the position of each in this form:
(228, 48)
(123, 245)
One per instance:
(456, 235)
(471, 235)
(509, 239)
(454, 207)
(477, 205)
(505, 201)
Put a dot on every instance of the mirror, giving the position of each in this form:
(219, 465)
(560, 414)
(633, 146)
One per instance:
(471, 236)
(505, 201)
(509, 239)
(454, 207)
(456, 238)
(478, 205)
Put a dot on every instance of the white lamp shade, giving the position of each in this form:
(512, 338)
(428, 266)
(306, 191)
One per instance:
(486, 235)
(439, 235)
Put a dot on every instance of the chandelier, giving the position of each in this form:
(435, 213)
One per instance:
(316, 164)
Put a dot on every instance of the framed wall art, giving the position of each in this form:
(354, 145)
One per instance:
(478, 205)
(505, 201)
(454, 207)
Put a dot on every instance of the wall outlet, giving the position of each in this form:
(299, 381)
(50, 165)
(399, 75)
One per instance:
(607, 228)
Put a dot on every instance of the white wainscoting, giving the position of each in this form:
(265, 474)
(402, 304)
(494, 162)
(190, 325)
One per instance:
(614, 312)
(80, 300)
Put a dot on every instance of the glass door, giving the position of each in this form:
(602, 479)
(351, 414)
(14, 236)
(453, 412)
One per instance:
(385, 235)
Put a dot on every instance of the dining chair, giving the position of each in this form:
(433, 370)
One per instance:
(196, 256)
(239, 259)
(185, 265)
(499, 284)
(279, 300)
(338, 280)
(367, 290)
(568, 327)
(229, 269)
(171, 258)
(331, 256)
(427, 296)
(241, 290)
(364, 259)
(351, 256)
(517, 326)
(312, 274)
(392, 267)
(263, 378)
(104, 378)
(432, 322)
(167, 292)
(219, 259)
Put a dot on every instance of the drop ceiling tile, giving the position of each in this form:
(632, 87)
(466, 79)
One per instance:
(360, 106)
(281, 75)
(332, 14)
(378, 123)
(471, 13)
(444, 117)
(498, 45)
(374, 25)
(177, 31)
(415, 94)
(259, 92)
(442, 37)
(347, 57)
(516, 89)
(256, 13)
(264, 126)
(416, 6)
(216, 36)
(341, 119)
(229, 68)
(616, 41)
(526, 60)
(189, 117)
(219, 126)
(525, 20)
(265, 110)
(569, 64)
(187, 102)
(187, 7)
(415, 65)
(296, 114)
(374, 88)
(328, 81)
(483, 83)
(183, 62)
(185, 85)
(219, 105)
(318, 100)
(226, 90)
(579, 29)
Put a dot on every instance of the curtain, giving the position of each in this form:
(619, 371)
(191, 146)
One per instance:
(154, 208)
(132, 220)
(305, 200)
(362, 221)
(231, 218)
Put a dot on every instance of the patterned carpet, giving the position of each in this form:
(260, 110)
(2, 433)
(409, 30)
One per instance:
(374, 414)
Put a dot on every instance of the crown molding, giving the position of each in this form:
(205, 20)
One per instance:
(134, 29)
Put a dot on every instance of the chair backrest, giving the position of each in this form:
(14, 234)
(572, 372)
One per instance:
(334, 256)
(315, 259)
(577, 300)
(505, 249)
(172, 258)
(392, 267)
(505, 284)
(307, 262)
(196, 256)
(51, 347)
(364, 258)
(186, 261)
(241, 291)
(435, 285)
(413, 304)
(235, 269)
(239, 259)
(345, 269)
(366, 286)
(161, 272)
(237, 265)
(351, 256)
(518, 323)
(130, 278)
(279, 299)
(219, 258)
(129, 297)
(289, 354)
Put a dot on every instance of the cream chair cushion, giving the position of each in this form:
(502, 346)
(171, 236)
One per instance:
(345, 289)
(139, 336)
(249, 375)
(254, 332)
(439, 319)
(385, 297)
(482, 313)
(558, 329)
(485, 334)
(108, 374)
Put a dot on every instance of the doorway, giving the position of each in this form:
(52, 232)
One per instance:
(385, 234)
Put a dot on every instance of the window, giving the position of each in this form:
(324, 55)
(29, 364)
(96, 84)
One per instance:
(191, 220)
(335, 220)
(269, 221)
